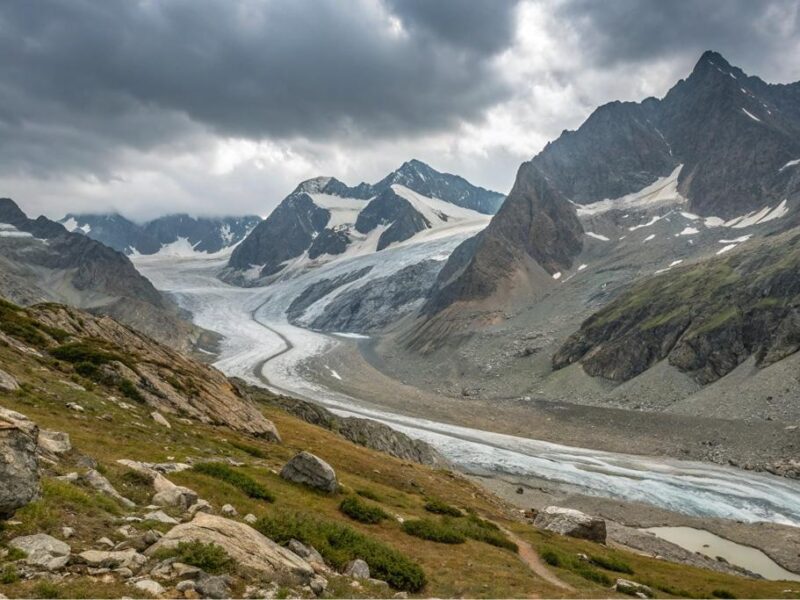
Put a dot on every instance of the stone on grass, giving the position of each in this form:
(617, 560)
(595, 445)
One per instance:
(19, 470)
(310, 470)
(245, 545)
(572, 523)
(160, 419)
(357, 569)
(54, 442)
(113, 559)
(250, 518)
(228, 510)
(103, 485)
(200, 506)
(160, 517)
(631, 588)
(308, 552)
(67, 532)
(149, 586)
(213, 586)
(42, 550)
(7, 382)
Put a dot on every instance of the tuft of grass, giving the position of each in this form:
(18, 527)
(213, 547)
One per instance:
(9, 575)
(13, 554)
(211, 558)
(253, 451)
(441, 532)
(129, 389)
(237, 479)
(46, 589)
(339, 544)
(361, 511)
(440, 507)
(611, 563)
(369, 494)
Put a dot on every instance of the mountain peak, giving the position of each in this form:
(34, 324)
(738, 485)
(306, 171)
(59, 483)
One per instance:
(713, 63)
(315, 185)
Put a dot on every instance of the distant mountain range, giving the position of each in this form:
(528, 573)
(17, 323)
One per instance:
(40, 261)
(324, 219)
(174, 234)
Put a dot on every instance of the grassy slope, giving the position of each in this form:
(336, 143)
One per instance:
(471, 569)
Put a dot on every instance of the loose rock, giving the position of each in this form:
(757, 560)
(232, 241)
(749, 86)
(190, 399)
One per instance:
(310, 470)
(7, 382)
(160, 419)
(149, 586)
(43, 551)
(103, 485)
(631, 588)
(229, 511)
(572, 523)
(357, 569)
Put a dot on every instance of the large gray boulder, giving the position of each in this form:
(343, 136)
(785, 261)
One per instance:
(572, 523)
(246, 546)
(42, 551)
(19, 472)
(310, 470)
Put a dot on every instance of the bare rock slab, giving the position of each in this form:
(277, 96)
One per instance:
(310, 470)
(19, 472)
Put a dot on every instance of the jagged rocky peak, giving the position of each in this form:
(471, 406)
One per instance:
(323, 219)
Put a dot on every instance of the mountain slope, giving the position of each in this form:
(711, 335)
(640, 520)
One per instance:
(731, 139)
(41, 261)
(323, 220)
(178, 233)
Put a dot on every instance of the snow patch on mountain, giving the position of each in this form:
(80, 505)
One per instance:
(663, 191)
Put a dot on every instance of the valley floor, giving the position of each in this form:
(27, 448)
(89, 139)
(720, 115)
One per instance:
(500, 439)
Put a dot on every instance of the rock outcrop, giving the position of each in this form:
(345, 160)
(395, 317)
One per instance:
(96, 480)
(7, 382)
(310, 470)
(245, 545)
(19, 471)
(43, 551)
(572, 523)
(363, 432)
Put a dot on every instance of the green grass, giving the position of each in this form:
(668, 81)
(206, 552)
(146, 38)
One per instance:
(46, 589)
(439, 507)
(237, 479)
(253, 451)
(369, 494)
(89, 351)
(442, 532)
(9, 575)
(339, 544)
(361, 511)
(611, 563)
(480, 530)
(557, 558)
(211, 558)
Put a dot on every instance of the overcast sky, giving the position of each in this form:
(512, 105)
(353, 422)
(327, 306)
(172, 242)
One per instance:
(223, 106)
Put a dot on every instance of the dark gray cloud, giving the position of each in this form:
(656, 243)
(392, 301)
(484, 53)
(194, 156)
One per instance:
(749, 33)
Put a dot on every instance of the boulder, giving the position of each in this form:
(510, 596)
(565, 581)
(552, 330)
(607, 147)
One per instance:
(310, 470)
(200, 506)
(43, 551)
(177, 495)
(94, 479)
(213, 586)
(19, 470)
(160, 419)
(149, 586)
(250, 519)
(357, 569)
(160, 517)
(631, 588)
(572, 523)
(228, 510)
(54, 443)
(245, 545)
(7, 382)
(112, 559)
(308, 552)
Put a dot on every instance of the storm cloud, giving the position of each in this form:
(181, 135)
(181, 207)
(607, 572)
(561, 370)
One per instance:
(221, 106)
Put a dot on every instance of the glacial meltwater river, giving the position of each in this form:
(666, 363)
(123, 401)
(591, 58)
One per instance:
(260, 342)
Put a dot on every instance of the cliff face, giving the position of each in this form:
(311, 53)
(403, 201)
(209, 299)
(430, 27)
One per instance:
(705, 319)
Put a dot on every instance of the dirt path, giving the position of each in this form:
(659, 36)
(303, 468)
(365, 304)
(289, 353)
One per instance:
(531, 558)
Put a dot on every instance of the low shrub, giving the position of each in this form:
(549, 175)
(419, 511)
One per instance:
(339, 544)
(88, 352)
(361, 511)
(244, 482)
(484, 531)
(442, 508)
(556, 558)
(611, 563)
(9, 575)
(551, 557)
(441, 532)
(46, 589)
(129, 389)
(720, 593)
(211, 558)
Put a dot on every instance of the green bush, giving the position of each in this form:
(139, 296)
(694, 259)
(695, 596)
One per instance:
(435, 531)
(719, 593)
(551, 557)
(484, 531)
(129, 389)
(211, 558)
(556, 558)
(244, 482)
(611, 563)
(339, 544)
(9, 575)
(442, 508)
(361, 511)
(88, 352)
(46, 589)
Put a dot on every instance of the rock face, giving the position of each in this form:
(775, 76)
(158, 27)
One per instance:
(734, 135)
(19, 471)
(323, 216)
(244, 544)
(166, 379)
(43, 551)
(7, 382)
(201, 234)
(310, 470)
(572, 523)
(363, 432)
(705, 319)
